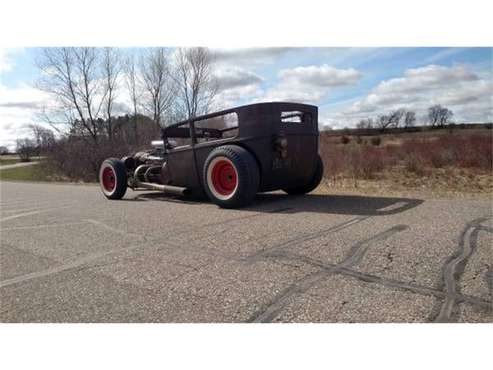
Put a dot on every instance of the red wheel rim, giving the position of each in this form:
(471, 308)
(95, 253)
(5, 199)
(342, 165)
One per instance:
(108, 179)
(224, 177)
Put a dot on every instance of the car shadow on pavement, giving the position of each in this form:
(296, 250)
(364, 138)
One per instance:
(163, 197)
(282, 203)
(335, 204)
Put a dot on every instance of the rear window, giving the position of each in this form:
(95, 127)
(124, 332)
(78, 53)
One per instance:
(290, 117)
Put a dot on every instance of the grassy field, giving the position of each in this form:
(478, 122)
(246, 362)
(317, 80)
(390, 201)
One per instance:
(36, 172)
(9, 159)
(14, 158)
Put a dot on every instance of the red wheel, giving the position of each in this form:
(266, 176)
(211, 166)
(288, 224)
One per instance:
(223, 177)
(113, 178)
(231, 176)
(108, 179)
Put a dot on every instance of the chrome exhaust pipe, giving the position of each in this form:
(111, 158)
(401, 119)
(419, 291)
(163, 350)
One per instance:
(176, 190)
(148, 172)
(169, 189)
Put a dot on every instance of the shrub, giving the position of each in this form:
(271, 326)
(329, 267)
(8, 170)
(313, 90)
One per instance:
(345, 140)
(414, 165)
(417, 155)
(376, 140)
(372, 161)
(334, 158)
(363, 162)
(78, 159)
(477, 152)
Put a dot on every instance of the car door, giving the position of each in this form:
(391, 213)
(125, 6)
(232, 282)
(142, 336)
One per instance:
(181, 161)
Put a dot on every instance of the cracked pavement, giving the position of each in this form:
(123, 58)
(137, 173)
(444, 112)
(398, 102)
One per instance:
(69, 255)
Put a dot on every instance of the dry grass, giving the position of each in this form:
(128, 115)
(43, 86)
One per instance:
(457, 162)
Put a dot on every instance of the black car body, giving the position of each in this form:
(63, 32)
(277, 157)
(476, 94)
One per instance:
(271, 146)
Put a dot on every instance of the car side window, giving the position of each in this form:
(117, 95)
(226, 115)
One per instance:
(179, 136)
(290, 117)
(216, 128)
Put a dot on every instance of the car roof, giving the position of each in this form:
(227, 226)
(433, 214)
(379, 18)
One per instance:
(253, 107)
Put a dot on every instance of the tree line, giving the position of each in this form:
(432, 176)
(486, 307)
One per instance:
(437, 116)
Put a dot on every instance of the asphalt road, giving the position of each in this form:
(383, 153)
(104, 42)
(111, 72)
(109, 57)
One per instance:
(70, 255)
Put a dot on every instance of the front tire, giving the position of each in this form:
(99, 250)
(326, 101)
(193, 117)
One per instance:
(312, 184)
(113, 178)
(231, 177)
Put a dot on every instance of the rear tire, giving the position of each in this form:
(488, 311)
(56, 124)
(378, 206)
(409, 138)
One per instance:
(312, 184)
(113, 178)
(230, 176)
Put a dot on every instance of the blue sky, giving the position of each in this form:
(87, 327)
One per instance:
(346, 83)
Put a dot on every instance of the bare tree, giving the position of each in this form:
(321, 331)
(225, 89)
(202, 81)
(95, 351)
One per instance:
(4, 150)
(410, 119)
(43, 138)
(365, 123)
(383, 121)
(132, 85)
(392, 119)
(26, 148)
(434, 114)
(446, 116)
(158, 84)
(71, 75)
(438, 115)
(111, 68)
(397, 117)
(196, 81)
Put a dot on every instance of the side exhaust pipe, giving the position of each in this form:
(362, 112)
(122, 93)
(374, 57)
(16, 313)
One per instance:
(169, 189)
(176, 190)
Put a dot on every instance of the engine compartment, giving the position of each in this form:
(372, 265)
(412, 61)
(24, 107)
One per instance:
(145, 167)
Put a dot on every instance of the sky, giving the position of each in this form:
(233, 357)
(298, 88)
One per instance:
(347, 84)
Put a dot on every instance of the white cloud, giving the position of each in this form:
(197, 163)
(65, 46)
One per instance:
(238, 95)
(249, 56)
(309, 84)
(22, 96)
(472, 92)
(236, 85)
(425, 78)
(16, 104)
(233, 77)
(457, 87)
(18, 107)
(327, 121)
(320, 76)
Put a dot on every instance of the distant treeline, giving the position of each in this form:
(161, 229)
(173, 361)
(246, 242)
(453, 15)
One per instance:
(400, 130)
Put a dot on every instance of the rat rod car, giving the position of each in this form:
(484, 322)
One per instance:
(230, 155)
